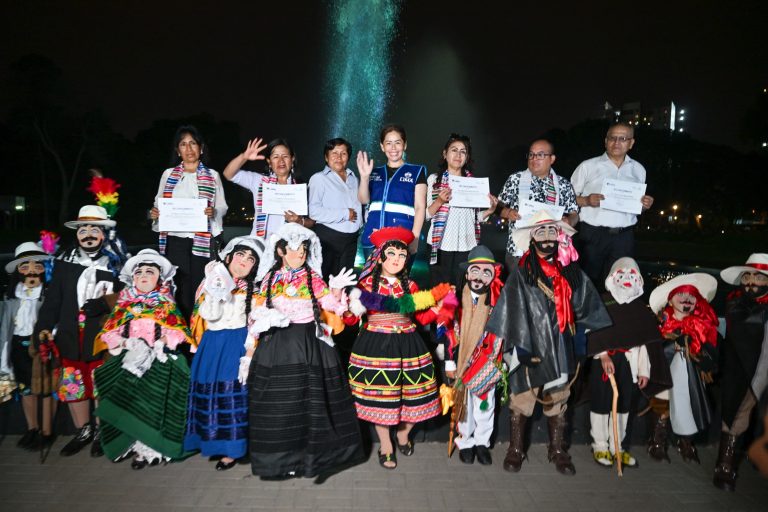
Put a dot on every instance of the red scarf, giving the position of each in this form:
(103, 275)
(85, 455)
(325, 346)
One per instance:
(562, 292)
(700, 325)
(738, 293)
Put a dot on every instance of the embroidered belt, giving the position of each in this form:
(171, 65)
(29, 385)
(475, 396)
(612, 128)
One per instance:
(389, 323)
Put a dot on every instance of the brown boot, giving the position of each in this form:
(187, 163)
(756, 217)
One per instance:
(516, 452)
(657, 443)
(557, 453)
(725, 467)
(687, 450)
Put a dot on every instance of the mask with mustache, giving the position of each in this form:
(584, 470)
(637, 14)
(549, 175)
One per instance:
(754, 291)
(90, 238)
(683, 303)
(479, 277)
(545, 248)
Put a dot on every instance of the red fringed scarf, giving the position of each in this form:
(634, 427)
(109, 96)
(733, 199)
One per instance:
(700, 325)
(561, 290)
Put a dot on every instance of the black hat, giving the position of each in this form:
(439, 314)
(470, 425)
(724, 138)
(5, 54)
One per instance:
(480, 254)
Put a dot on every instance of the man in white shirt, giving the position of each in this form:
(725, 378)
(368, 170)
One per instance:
(605, 235)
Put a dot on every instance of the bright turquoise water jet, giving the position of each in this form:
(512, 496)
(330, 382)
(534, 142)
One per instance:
(358, 72)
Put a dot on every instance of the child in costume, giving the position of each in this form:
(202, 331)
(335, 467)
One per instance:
(18, 359)
(744, 374)
(689, 326)
(301, 419)
(631, 351)
(143, 387)
(391, 373)
(217, 422)
(475, 356)
(75, 306)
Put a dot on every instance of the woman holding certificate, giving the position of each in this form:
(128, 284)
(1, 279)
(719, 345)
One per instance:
(188, 212)
(454, 230)
(280, 160)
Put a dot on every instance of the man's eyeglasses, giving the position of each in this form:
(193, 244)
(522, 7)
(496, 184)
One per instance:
(618, 138)
(538, 156)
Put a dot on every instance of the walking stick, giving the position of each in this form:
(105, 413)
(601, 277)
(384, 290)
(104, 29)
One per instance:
(614, 414)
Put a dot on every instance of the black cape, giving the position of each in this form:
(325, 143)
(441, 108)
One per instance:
(746, 324)
(524, 317)
(634, 324)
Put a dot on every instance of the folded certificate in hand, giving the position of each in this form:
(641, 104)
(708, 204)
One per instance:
(469, 192)
(278, 199)
(528, 207)
(182, 215)
(623, 196)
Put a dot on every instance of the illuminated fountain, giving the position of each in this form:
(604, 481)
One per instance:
(358, 70)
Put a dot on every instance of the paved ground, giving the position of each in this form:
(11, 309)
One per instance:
(426, 481)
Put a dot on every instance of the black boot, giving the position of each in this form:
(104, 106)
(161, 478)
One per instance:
(513, 461)
(557, 452)
(657, 443)
(96, 450)
(725, 467)
(687, 450)
(80, 441)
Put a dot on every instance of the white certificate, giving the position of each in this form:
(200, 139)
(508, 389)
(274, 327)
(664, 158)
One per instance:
(278, 199)
(182, 215)
(528, 208)
(622, 196)
(469, 192)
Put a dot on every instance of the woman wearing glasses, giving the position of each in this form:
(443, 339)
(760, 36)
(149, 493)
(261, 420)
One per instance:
(540, 184)
(454, 231)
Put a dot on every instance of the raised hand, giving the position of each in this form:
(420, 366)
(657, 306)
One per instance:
(364, 164)
(253, 150)
(346, 277)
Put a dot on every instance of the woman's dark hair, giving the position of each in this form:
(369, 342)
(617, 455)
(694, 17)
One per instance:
(271, 147)
(402, 275)
(282, 245)
(392, 128)
(442, 165)
(250, 279)
(533, 272)
(338, 141)
(190, 130)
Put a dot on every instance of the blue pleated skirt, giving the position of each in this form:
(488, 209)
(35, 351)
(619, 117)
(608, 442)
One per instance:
(217, 420)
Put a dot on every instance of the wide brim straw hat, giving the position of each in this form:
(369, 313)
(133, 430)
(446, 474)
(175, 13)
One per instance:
(704, 283)
(91, 215)
(522, 233)
(757, 262)
(25, 252)
(167, 269)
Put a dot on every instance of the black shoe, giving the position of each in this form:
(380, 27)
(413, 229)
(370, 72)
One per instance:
(96, 450)
(80, 441)
(223, 466)
(46, 441)
(30, 440)
(467, 455)
(483, 455)
(138, 464)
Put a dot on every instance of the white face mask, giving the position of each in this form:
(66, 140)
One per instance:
(625, 284)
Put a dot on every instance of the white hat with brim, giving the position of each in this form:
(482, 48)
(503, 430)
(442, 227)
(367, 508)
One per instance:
(91, 215)
(25, 252)
(704, 283)
(167, 269)
(757, 262)
(295, 235)
(257, 244)
(522, 233)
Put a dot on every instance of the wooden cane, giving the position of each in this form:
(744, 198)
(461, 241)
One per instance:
(614, 413)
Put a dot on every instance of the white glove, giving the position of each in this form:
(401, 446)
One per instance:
(218, 283)
(344, 279)
(158, 349)
(242, 372)
(264, 318)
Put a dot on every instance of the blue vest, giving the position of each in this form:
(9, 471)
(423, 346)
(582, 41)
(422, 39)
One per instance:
(391, 201)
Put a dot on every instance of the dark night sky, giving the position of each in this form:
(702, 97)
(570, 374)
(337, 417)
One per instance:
(502, 74)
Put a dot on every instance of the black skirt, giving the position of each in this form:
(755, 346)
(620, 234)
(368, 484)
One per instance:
(302, 418)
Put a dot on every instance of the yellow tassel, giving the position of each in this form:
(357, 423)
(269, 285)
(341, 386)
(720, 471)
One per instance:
(446, 398)
(423, 300)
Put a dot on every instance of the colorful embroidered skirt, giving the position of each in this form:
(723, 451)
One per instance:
(151, 409)
(392, 378)
(217, 418)
(302, 417)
